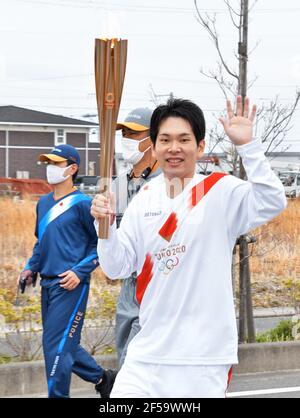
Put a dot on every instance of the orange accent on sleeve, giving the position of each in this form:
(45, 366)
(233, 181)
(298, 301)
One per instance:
(144, 278)
(169, 227)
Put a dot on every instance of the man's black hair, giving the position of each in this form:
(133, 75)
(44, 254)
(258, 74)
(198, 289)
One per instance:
(70, 162)
(179, 108)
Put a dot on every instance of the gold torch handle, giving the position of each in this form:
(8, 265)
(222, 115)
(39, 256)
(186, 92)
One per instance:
(110, 65)
(105, 171)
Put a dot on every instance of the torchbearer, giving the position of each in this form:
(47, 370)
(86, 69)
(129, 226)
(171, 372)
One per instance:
(180, 240)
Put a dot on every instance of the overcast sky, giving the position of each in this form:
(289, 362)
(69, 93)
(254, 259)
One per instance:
(47, 53)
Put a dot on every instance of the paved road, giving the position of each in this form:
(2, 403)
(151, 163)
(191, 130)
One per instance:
(285, 384)
(265, 324)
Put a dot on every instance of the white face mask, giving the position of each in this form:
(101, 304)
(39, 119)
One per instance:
(130, 150)
(55, 174)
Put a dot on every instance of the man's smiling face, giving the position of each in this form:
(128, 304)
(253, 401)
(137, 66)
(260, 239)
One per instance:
(176, 148)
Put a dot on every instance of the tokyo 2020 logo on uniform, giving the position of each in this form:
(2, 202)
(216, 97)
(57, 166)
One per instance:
(169, 258)
(166, 266)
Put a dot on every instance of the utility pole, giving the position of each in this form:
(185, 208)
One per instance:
(243, 50)
(246, 321)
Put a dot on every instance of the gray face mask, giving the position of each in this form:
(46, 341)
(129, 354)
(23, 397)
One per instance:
(130, 150)
(55, 174)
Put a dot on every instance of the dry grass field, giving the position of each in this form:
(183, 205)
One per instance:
(274, 258)
(17, 220)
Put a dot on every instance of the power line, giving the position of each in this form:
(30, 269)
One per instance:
(130, 97)
(183, 80)
(94, 109)
(93, 4)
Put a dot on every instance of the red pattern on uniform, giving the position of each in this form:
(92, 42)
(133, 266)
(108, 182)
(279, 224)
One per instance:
(229, 379)
(196, 194)
(144, 278)
(169, 227)
(200, 190)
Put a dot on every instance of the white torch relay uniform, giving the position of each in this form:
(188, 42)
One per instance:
(183, 254)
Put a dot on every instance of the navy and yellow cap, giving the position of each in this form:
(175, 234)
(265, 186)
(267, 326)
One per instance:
(62, 153)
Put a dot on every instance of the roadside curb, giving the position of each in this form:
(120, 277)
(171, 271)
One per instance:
(26, 378)
(268, 357)
(275, 312)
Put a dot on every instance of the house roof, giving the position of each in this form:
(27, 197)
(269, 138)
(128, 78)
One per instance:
(20, 115)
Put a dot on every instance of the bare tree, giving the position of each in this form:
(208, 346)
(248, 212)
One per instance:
(273, 123)
(273, 119)
(276, 122)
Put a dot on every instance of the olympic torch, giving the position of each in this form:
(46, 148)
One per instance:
(110, 65)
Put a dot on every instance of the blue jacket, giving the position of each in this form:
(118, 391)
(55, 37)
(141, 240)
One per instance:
(66, 237)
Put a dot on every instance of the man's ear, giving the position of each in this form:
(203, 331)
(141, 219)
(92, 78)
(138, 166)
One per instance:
(153, 150)
(201, 148)
(74, 169)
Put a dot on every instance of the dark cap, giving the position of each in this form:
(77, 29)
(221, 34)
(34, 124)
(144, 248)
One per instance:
(62, 153)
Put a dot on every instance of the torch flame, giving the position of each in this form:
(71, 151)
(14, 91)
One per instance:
(111, 26)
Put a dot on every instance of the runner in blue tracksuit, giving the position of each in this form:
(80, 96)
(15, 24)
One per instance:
(65, 255)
